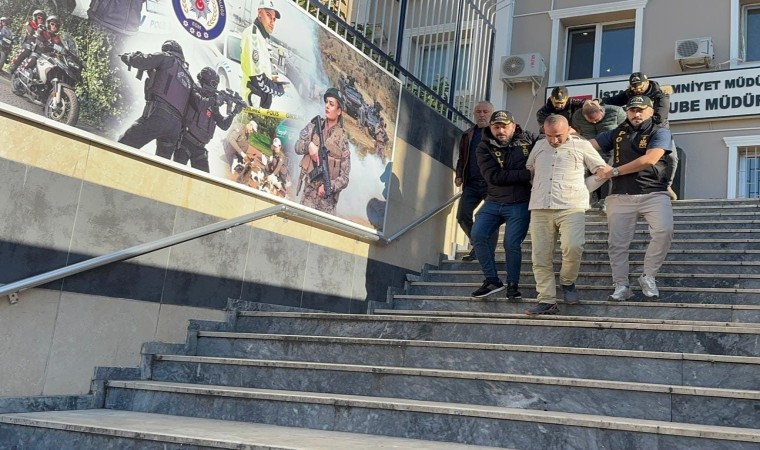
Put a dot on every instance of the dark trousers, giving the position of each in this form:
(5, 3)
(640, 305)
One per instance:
(196, 154)
(473, 194)
(159, 123)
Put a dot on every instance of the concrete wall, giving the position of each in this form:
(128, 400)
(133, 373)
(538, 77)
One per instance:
(68, 198)
(664, 22)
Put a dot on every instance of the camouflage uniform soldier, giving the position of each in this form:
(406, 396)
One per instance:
(381, 139)
(338, 155)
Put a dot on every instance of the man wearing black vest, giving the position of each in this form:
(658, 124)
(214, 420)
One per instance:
(167, 92)
(638, 147)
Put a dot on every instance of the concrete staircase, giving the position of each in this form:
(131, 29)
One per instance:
(435, 369)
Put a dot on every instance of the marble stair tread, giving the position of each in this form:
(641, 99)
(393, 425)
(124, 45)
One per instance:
(662, 274)
(497, 315)
(474, 375)
(455, 409)
(569, 321)
(482, 346)
(475, 285)
(215, 433)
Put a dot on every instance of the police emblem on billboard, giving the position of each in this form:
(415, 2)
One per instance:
(204, 19)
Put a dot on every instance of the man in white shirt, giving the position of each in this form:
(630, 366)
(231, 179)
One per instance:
(558, 201)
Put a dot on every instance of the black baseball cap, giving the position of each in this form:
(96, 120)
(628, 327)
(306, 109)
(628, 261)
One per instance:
(502, 116)
(639, 101)
(637, 79)
(559, 94)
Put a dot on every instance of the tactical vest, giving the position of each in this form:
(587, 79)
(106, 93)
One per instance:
(627, 147)
(172, 85)
(201, 123)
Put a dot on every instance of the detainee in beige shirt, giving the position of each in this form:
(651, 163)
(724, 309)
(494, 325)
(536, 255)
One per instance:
(558, 201)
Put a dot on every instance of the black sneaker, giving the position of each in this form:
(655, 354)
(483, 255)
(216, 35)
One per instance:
(488, 288)
(570, 294)
(543, 308)
(470, 257)
(512, 292)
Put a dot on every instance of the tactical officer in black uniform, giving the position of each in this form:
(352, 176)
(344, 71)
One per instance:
(201, 119)
(167, 93)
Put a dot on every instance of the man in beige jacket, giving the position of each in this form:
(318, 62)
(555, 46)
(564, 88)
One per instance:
(558, 201)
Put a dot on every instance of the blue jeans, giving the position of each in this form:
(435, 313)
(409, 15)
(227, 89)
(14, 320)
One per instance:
(473, 194)
(487, 222)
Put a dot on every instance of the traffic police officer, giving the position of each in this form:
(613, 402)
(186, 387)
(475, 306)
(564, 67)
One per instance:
(255, 62)
(167, 92)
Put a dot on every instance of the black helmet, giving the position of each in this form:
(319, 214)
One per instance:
(172, 46)
(55, 20)
(335, 93)
(208, 76)
(39, 12)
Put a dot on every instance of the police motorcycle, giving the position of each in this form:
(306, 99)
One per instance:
(51, 82)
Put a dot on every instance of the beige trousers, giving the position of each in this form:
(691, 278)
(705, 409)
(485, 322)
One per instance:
(544, 226)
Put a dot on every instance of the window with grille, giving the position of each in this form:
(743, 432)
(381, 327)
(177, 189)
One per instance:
(748, 177)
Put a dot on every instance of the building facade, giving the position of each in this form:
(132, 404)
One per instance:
(708, 51)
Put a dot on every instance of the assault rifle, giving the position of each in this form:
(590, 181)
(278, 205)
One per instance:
(125, 57)
(231, 98)
(321, 171)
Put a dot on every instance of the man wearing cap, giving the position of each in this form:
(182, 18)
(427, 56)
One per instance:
(502, 154)
(468, 175)
(338, 165)
(640, 84)
(558, 103)
(236, 143)
(558, 202)
(638, 149)
(277, 168)
(593, 119)
(258, 80)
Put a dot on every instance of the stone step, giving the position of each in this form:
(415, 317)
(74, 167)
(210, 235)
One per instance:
(677, 244)
(735, 256)
(450, 422)
(687, 225)
(717, 233)
(708, 339)
(709, 295)
(98, 429)
(734, 281)
(707, 406)
(591, 309)
(684, 267)
(687, 369)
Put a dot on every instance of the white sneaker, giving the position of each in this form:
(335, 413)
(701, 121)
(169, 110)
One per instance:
(649, 287)
(621, 294)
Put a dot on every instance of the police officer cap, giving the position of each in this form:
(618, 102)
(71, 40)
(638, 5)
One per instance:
(334, 93)
(637, 79)
(39, 12)
(559, 94)
(276, 142)
(502, 116)
(639, 101)
(207, 75)
(172, 46)
(269, 4)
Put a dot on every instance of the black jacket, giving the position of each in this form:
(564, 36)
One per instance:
(567, 112)
(503, 166)
(660, 100)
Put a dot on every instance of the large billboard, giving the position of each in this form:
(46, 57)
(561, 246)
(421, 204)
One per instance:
(257, 92)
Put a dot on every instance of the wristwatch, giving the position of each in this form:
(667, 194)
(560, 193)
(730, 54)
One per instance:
(615, 172)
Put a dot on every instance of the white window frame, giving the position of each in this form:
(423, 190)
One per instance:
(559, 31)
(733, 143)
(737, 29)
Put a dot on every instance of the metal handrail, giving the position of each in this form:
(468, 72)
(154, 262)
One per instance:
(12, 289)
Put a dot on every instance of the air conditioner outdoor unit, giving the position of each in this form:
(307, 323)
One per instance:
(520, 68)
(694, 53)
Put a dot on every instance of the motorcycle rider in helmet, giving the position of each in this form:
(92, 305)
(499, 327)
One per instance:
(201, 119)
(5, 33)
(38, 20)
(167, 93)
(45, 38)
